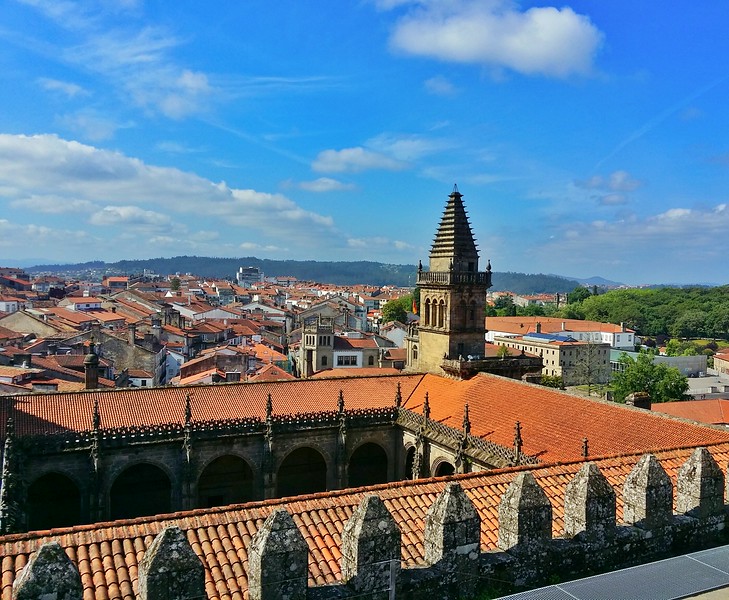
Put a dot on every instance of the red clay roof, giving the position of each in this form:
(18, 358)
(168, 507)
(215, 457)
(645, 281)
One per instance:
(108, 554)
(523, 325)
(553, 423)
(714, 411)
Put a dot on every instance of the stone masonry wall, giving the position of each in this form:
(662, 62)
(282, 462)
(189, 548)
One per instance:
(454, 566)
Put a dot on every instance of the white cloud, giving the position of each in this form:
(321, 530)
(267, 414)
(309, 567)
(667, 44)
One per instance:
(129, 215)
(325, 184)
(90, 125)
(407, 148)
(540, 40)
(613, 187)
(352, 160)
(378, 244)
(124, 191)
(253, 247)
(51, 204)
(64, 87)
(440, 86)
(677, 240)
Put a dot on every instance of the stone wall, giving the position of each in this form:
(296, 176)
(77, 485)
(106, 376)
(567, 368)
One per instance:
(455, 567)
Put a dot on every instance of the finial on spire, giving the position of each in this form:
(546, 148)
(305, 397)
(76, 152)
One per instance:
(340, 402)
(466, 420)
(488, 265)
(585, 448)
(426, 407)
(455, 191)
(269, 407)
(398, 396)
(96, 418)
(518, 441)
(188, 408)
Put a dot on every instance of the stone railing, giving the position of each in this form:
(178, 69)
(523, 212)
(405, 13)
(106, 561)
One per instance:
(413, 421)
(454, 565)
(212, 429)
(455, 277)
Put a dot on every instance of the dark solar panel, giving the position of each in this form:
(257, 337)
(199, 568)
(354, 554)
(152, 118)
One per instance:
(669, 579)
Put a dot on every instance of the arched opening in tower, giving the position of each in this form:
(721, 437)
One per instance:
(444, 469)
(368, 465)
(140, 490)
(409, 463)
(226, 480)
(304, 471)
(54, 500)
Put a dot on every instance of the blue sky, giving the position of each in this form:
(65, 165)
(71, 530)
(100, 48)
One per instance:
(588, 139)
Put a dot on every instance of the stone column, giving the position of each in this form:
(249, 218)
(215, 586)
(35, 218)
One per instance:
(170, 569)
(48, 574)
(278, 557)
(700, 486)
(371, 548)
(647, 494)
(525, 514)
(589, 505)
(452, 540)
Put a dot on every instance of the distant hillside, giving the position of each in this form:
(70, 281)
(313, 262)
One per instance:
(338, 273)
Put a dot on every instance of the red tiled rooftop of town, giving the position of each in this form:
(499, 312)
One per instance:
(221, 536)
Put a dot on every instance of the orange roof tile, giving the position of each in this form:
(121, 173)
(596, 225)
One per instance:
(714, 411)
(553, 423)
(221, 536)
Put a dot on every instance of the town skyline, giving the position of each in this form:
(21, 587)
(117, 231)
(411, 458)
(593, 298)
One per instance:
(582, 137)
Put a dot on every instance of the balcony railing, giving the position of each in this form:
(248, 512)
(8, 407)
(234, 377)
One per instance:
(455, 277)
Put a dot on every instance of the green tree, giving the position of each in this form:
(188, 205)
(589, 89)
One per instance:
(175, 284)
(397, 310)
(505, 306)
(641, 374)
(579, 294)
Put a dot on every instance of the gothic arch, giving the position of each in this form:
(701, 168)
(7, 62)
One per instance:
(409, 461)
(139, 490)
(443, 468)
(428, 307)
(227, 479)
(303, 471)
(54, 500)
(441, 313)
(368, 465)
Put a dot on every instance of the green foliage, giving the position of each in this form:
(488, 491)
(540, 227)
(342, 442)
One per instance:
(663, 383)
(340, 273)
(397, 310)
(554, 381)
(679, 312)
(503, 352)
(175, 284)
(578, 294)
(505, 306)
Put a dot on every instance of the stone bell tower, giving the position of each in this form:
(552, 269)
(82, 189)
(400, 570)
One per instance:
(452, 296)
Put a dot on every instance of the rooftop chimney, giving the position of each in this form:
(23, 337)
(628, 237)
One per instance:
(132, 334)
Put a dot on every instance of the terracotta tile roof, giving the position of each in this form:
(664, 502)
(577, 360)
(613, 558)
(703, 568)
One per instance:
(151, 406)
(523, 325)
(553, 423)
(355, 372)
(221, 536)
(345, 343)
(271, 372)
(714, 411)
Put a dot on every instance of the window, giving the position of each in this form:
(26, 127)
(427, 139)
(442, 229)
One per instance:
(346, 361)
(324, 361)
(371, 361)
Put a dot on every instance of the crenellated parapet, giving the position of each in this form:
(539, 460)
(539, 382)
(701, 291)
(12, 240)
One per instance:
(454, 565)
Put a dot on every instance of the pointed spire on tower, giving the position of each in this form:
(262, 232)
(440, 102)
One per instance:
(454, 238)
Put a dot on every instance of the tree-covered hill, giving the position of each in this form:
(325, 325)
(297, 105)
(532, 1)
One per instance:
(338, 273)
(679, 312)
